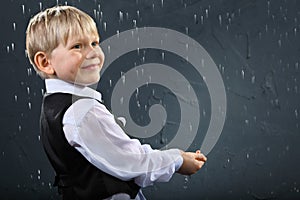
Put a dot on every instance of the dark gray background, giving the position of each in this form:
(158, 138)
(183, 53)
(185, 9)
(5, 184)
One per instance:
(255, 44)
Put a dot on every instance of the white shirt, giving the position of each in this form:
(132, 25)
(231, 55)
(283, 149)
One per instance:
(92, 130)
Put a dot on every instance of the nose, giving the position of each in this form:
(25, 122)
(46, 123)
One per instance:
(94, 52)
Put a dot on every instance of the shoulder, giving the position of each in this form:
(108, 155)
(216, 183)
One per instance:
(79, 109)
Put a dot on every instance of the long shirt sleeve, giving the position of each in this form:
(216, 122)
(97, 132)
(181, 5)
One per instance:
(92, 130)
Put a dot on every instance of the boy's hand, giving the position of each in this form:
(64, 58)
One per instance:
(192, 162)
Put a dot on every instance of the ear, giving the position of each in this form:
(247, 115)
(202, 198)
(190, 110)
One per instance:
(42, 63)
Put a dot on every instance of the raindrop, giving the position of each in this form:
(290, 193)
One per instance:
(12, 46)
(296, 113)
(20, 128)
(95, 13)
(123, 79)
(28, 90)
(153, 6)
(110, 82)
(108, 48)
(295, 31)
(195, 18)
(247, 122)
(247, 156)
(121, 100)
(279, 43)
(189, 87)
(7, 48)
(137, 92)
(190, 126)
(104, 26)
(23, 9)
(220, 20)
(39, 138)
(186, 30)
(186, 180)
(202, 19)
(162, 3)
(243, 74)
(134, 23)
(14, 26)
(29, 105)
(253, 79)
(163, 56)
(206, 13)
(41, 6)
(16, 98)
(138, 14)
(121, 16)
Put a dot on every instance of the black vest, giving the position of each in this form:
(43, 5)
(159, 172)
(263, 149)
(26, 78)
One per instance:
(76, 178)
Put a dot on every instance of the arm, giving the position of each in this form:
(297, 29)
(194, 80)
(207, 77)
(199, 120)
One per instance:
(95, 134)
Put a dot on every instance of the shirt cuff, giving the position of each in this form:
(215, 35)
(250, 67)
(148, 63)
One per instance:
(178, 163)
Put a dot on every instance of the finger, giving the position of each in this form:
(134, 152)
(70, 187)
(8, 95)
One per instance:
(198, 151)
(201, 157)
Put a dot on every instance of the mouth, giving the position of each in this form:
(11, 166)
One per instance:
(91, 67)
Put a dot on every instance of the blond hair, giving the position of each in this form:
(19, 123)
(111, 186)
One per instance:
(47, 29)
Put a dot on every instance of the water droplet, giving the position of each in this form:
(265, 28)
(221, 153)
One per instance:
(247, 122)
(163, 56)
(253, 79)
(121, 16)
(195, 18)
(23, 9)
(104, 26)
(29, 105)
(279, 43)
(29, 71)
(206, 13)
(16, 98)
(243, 74)
(110, 82)
(296, 113)
(41, 6)
(108, 48)
(134, 23)
(202, 19)
(7, 49)
(28, 90)
(12, 46)
(186, 30)
(20, 128)
(121, 100)
(220, 19)
(186, 180)
(247, 156)
(14, 26)
(162, 3)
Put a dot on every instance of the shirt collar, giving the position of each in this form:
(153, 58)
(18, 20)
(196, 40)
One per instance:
(60, 86)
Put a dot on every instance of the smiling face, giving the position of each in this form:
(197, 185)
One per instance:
(79, 61)
(63, 42)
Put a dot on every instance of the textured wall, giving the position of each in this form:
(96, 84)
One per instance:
(255, 47)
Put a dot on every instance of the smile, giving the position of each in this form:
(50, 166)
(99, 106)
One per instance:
(91, 67)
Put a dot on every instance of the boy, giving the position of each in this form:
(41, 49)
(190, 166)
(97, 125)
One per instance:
(92, 156)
